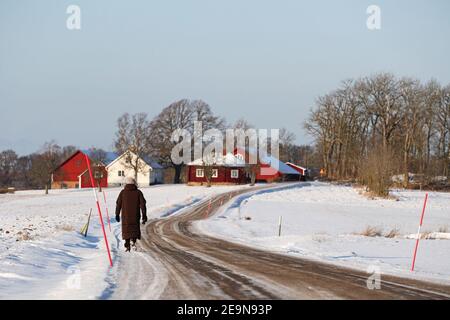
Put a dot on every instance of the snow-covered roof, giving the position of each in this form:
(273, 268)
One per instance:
(111, 157)
(274, 163)
(295, 165)
(152, 162)
(279, 165)
(228, 160)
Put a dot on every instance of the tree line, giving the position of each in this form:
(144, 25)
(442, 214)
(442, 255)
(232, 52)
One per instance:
(139, 134)
(373, 128)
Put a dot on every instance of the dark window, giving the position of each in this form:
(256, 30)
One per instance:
(98, 174)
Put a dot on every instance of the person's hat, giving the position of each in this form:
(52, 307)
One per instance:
(129, 180)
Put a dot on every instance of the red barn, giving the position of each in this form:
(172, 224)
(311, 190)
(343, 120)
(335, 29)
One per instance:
(225, 170)
(73, 173)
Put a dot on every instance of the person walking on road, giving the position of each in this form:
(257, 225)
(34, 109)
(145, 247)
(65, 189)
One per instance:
(130, 203)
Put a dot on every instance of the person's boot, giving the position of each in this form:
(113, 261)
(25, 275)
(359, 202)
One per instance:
(133, 245)
(127, 245)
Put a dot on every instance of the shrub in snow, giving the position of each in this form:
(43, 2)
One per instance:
(393, 233)
(372, 232)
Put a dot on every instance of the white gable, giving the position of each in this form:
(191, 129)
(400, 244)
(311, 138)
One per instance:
(121, 168)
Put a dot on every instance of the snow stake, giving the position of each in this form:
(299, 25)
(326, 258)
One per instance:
(418, 232)
(208, 210)
(98, 209)
(279, 225)
(85, 228)
(107, 211)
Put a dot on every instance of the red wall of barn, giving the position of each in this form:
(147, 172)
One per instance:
(72, 168)
(224, 175)
(86, 179)
(274, 175)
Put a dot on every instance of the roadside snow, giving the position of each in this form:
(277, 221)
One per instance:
(43, 255)
(326, 222)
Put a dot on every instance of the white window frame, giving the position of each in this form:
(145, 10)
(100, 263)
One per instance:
(199, 173)
(215, 173)
(234, 174)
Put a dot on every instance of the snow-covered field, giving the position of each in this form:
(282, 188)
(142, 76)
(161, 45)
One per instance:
(326, 222)
(43, 255)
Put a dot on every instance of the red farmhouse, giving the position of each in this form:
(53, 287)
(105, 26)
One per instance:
(231, 169)
(73, 173)
(225, 170)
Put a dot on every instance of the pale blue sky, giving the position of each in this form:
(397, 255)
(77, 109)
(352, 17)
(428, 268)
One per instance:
(266, 61)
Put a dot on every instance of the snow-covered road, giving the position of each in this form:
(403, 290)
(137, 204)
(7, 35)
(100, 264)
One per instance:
(327, 223)
(196, 266)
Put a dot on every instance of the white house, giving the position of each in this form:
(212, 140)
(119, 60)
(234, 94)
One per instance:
(149, 172)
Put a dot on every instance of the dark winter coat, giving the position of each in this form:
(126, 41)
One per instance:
(130, 202)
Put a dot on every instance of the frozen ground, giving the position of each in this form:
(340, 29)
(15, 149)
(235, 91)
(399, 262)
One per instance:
(43, 255)
(326, 222)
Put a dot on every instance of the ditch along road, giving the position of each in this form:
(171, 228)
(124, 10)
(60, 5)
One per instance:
(177, 262)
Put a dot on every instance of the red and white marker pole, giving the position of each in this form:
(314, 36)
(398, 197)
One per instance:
(107, 211)
(418, 232)
(98, 209)
(209, 209)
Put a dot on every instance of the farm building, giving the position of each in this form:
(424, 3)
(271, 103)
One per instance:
(73, 173)
(107, 172)
(231, 169)
(150, 172)
(271, 168)
(303, 171)
(225, 169)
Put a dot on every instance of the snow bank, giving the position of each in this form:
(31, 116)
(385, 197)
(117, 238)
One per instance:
(430, 236)
(326, 222)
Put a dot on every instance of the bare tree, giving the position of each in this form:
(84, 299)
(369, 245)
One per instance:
(402, 118)
(202, 112)
(44, 163)
(377, 171)
(98, 157)
(133, 137)
(286, 140)
(252, 171)
(68, 151)
(443, 128)
(412, 120)
(179, 115)
(208, 163)
(22, 177)
(8, 165)
(242, 124)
